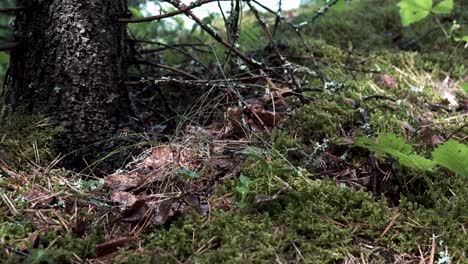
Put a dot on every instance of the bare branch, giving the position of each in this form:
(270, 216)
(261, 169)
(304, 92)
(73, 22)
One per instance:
(171, 14)
(215, 35)
(12, 9)
(158, 65)
(9, 46)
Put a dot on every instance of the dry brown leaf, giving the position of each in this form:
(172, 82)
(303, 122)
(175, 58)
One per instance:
(123, 182)
(123, 198)
(136, 213)
(34, 196)
(428, 134)
(387, 81)
(113, 244)
(270, 118)
(194, 202)
(161, 156)
(162, 212)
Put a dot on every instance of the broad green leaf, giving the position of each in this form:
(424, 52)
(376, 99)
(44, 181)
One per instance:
(242, 190)
(416, 161)
(462, 39)
(444, 7)
(391, 145)
(179, 20)
(412, 11)
(244, 180)
(452, 155)
(4, 58)
(135, 12)
(393, 142)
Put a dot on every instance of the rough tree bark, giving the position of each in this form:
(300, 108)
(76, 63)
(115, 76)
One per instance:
(71, 67)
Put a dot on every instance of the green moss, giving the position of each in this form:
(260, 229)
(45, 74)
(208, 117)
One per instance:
(323, 119)
(318, 220)
(10, 232)
(21, 133)
(441, 211)
(67, 245)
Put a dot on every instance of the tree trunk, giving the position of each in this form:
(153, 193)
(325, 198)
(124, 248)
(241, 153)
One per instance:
(71, 67)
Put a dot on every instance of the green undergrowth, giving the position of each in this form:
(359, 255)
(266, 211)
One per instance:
(27, 138)
(316, 222)
(291, 202)
(44, 246)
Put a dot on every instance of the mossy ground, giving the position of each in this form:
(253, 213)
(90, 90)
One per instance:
(305, 199)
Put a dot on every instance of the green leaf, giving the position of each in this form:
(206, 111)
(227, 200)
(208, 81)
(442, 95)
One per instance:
(464, 85)
(180, 21)
(194, 27)
(391, 145)
(254, 153)
(242, 205)
(462, 39)
(444, 7)
(135, 12)
(242, 190)
(244, 180)
(393, 142)
(4, 58)
(416, 161)
(412, 11)
(188, 173)
(452, 155)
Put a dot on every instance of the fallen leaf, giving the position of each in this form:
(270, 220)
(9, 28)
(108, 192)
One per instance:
(387, 81)
(122, 182)
(161, 156)
(271, 118)
(194, 202)
(123, 198)
(36, 196)
(113, 244)
(137, 212)
(408, 127)
(162, 211)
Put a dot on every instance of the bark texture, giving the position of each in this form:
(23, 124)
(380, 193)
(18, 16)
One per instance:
(71, 67)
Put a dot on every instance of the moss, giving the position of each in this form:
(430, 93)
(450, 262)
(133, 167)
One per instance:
(374, 27)
(10, 232)
(51, 247)
(319, 220)
(441, 211)
(21, 134)
(67, 245)
(322, 221)
(323, 119)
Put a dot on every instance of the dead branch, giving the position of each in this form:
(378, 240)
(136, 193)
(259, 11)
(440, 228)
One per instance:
(215, 35)
(166, 15)
(12, 9)
(9, 46)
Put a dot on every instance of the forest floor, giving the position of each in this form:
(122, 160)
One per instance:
(281, 176)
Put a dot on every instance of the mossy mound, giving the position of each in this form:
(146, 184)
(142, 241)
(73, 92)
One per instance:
(27, 138)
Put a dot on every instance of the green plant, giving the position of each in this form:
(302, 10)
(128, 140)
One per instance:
(244, 189)
(412, 11)
(391, 145)
(188, 174)
(451, 155)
